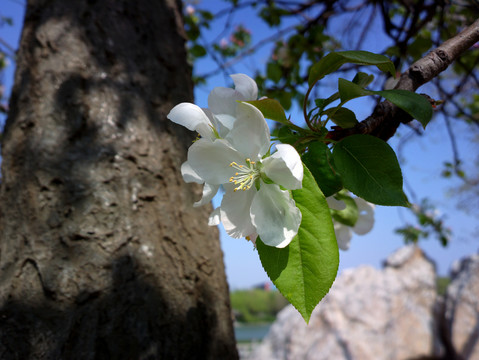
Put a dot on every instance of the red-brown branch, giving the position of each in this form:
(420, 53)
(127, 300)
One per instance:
(386, 117)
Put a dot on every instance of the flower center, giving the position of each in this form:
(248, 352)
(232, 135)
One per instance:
(245, 175)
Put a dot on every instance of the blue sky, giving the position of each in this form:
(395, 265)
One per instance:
(421, 169)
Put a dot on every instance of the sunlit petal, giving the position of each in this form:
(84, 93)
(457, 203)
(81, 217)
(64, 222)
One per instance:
(275, 215)
(235, 212)
(215, 217)
(209, 191)
(189, 174)
(211, 160)
(335, 204)
(284, 167)
(193, 118)
(343, 235)
(246, 86)
(250, 133)
(366, 217)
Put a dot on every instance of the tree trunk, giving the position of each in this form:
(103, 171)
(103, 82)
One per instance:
(102, 255)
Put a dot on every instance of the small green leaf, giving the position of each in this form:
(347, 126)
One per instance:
(342, 117)
(273, 72)
(414, 104)
(349, 90)
(333, 61)
(198, 51)
(271, 109)
(363, 79)
(305, 270)
(317, 161)
(286, 135)
(369, 168)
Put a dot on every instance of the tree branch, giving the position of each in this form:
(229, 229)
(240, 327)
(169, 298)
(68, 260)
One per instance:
(386, 117)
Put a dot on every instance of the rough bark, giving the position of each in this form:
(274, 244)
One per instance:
(101, 254)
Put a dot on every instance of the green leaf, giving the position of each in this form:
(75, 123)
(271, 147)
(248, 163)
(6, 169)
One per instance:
(271, 109)
(273, 72)
(342, 117)
(363, 79)
(414, 104)
(198, 51)
(349, 90)
(369, 168)
(333, 61)
(317, 161)
(305, 270)
(286, 135)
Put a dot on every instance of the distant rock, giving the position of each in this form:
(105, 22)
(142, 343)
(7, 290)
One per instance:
(462, 309)
(368, 314)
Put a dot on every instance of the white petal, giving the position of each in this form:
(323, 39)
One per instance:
(366, 217)
(335, 204)
(211, 160)
(275, 215)
(250, 133)
(235, 212)
(209, 191)
(252, 237)
(214, 218)
(284, 167)
(193, 118)
(246, 86)
(189, 174)
(222, 100)
(343, 235)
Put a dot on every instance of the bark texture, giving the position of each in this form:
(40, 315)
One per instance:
(102, 255)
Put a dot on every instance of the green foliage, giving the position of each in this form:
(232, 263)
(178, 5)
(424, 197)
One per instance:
(428, 223)
(257, 305)
(333, 61)
(414, 104)
(317, 159)
(271, 109)
(369, 169)
(305, 270)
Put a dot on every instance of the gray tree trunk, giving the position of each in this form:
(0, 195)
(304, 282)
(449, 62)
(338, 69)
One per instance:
(102, 255)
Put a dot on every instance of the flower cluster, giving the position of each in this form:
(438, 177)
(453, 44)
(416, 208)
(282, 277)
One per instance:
(234, 152)
(363, 225)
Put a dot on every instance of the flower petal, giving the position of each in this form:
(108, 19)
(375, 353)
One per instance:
(211, 160)
(250, 132)
(193, 118)
(284, 167)
(235, 212)
(209, 191)
(215, 217)
(366, 217)
(335, 204)
(189, 174)
(275, 215)
(343, 235)
(246, 86)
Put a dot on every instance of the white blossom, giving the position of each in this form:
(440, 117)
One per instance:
(253, 204)
(363, 225)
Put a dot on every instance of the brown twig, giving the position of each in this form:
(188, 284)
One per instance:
(386, 117)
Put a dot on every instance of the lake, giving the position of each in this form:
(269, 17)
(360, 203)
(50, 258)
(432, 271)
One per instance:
(251, 332)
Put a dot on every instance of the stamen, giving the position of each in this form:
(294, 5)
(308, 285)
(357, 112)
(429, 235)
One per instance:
(245, 176)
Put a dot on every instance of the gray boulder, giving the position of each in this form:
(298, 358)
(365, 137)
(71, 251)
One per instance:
(462, 310)
(368, 314)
